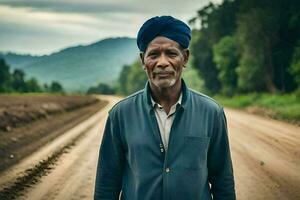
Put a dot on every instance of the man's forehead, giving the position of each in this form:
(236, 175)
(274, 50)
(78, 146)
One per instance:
(162, 42)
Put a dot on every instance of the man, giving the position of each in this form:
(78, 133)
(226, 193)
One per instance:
(165, 142)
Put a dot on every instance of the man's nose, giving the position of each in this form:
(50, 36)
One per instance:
(163, 61)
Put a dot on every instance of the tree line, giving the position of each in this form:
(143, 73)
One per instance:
(248, 46)
(16, 82)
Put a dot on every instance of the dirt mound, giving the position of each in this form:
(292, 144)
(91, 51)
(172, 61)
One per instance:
(15, 111)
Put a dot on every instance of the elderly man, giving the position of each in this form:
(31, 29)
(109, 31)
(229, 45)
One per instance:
(165, 142)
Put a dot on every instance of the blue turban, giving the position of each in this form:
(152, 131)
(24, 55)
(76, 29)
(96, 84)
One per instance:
(166, 26)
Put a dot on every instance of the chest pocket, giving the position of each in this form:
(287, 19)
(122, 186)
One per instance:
(195, 152)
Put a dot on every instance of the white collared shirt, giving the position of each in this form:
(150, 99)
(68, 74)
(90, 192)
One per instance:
(165, 120)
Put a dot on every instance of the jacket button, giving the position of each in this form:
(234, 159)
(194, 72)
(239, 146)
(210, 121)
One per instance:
(167, 169)
(162, 150)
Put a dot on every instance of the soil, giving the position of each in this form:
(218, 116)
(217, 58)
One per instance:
(29, 122)
(266, 157)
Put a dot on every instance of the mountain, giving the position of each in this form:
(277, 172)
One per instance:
(79, 67)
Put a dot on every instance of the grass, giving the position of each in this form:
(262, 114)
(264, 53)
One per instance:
(279, 106)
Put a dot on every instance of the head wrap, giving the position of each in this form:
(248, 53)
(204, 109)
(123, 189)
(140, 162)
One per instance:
(166, 26)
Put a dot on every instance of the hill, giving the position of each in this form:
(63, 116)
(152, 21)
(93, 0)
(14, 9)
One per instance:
(79, 67)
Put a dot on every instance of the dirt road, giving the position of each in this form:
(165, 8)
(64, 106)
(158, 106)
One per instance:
(266, 158)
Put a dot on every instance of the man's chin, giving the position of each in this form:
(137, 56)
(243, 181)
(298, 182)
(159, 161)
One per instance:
(163, 84)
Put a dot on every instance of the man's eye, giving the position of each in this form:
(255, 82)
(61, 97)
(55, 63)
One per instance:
(152, 55)
(173, 54)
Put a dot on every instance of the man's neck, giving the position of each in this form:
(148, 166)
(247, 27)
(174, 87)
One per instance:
(166, 97)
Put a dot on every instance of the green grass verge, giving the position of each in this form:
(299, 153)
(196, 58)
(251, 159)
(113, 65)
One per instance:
(284, 107)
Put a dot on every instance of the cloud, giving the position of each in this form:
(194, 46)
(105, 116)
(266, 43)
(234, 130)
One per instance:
(74, 6)
(111, 6)
(29, 25)
(37, 32)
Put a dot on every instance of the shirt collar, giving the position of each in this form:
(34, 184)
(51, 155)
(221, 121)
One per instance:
(155, 103)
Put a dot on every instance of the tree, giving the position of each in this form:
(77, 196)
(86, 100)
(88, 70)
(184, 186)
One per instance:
(295, 66)
(225, 56)
(56, 87)
(203, 63)
(18, 82)
(33, 85)
(132, 78)
(254, 35)
(122, 81)
(5, 77)
(190, 76)
(266, 35)
(136, 77)
(216, 22)
(46, 87)
(102, 88)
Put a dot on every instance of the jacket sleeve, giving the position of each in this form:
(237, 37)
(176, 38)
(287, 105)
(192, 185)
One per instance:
(110, 164)
(220, 171)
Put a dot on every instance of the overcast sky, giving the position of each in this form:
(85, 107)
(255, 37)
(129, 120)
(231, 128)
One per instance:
(44, 26)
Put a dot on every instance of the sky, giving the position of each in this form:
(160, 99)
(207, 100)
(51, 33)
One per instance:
(41, 27)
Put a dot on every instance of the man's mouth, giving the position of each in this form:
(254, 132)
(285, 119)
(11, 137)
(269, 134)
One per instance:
(164, 74)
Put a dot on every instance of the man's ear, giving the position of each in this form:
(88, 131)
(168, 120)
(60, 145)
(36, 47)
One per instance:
(142, 57)
(186, 55)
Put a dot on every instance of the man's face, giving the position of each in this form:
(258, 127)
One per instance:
(163, 62)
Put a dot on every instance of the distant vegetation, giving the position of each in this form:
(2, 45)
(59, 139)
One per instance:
(248, 46)
(16, 82)
(101, 88)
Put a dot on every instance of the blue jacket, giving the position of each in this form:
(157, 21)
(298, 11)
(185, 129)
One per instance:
(132, 159)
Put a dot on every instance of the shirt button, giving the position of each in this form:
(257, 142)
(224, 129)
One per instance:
(167, 169)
